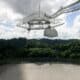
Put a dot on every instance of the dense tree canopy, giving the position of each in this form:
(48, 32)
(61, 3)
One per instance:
(23, 49)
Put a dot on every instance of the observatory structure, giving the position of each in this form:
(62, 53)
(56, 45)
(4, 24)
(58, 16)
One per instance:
(42, 21)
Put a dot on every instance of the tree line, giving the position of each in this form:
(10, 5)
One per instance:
(55, 50)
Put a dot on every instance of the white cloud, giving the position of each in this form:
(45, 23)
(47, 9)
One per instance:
(52, 6)
(18, 32)
(7, 20)
(76, 27)
(70, 32)
(7, 13)
(70, 1)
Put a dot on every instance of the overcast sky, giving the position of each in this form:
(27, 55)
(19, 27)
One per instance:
(12, 10)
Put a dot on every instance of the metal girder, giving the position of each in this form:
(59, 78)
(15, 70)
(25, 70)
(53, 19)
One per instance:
(70, 8)
(30, 27)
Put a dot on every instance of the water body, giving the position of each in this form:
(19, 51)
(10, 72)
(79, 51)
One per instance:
(31, 71)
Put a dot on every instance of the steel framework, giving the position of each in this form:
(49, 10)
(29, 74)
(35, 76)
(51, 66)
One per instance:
(40, 20)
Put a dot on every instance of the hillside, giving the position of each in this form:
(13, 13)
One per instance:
(39, 50)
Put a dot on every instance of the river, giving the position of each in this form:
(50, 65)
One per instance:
(35, 71)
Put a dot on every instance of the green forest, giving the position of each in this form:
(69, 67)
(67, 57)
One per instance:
(20, 50)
